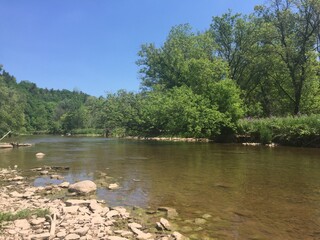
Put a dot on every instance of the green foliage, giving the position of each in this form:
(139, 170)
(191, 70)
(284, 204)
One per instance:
(172, 64)
(11, 105)
(122, 113)
(180, 112)
(26, 213)
(190, 93)
(300, 131)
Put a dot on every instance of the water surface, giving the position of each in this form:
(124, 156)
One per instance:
(250, 192)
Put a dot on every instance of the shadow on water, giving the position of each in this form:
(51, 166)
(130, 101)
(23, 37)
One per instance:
(241, 192)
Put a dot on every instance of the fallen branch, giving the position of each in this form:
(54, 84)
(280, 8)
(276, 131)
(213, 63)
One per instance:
(5, 135)
(53, 221)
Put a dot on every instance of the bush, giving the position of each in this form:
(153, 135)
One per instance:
(297, 131)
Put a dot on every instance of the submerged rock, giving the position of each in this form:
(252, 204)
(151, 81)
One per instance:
(113, 186)
(171, 212)
(40, 155)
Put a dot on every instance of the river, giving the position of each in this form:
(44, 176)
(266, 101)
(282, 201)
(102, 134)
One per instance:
(248, 192)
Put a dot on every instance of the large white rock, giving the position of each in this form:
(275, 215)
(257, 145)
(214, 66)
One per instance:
(83, 187)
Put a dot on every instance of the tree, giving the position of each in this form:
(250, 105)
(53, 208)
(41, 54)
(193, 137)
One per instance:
(170, 64)
(122, 113)
(11, 105)
(294, 27)
(180, 112)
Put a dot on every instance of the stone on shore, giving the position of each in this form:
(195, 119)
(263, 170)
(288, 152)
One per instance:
(72, 236)
(64, 185)
(40, 236)
(22, 224)
(37, 221)
(83, 187)
(116, 238)
(165, 223)
(179, 236)
(83, 218)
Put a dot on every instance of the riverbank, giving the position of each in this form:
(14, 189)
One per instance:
(63, 212)
(302, 131)
(170, 139)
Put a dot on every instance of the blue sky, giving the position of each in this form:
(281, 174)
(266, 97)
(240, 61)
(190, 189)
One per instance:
(92, 45)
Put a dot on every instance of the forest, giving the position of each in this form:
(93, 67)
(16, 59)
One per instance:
(256, 74)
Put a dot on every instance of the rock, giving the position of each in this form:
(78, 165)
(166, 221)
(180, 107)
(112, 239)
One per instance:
(113, 186)
(136, 230)
(64, 185)
(200, 221)
(126, 234)
(77, 202)
(134, 225)
(116, 238)
(72, 236)
(166, 238)
(18, 178)
(36, 169)
(171, 212)
(97, 219)
(71, 210)
(186, 229)
(44, 172)
(12, 232)
(123, 212)
(83, 187)
(56, 176)
(178, 236)
(82, 231)
(40, 155)
(28, 195)
(112, 214)
(22, 223)
(206, 216)
(37, 221)
(159, 226)
(61, 234)
(95, 207)
(145, 236)
(40, 236)
(165, 223)
(140, 234)
(15, 194)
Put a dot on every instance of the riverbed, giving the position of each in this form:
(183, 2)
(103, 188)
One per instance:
(244, 192)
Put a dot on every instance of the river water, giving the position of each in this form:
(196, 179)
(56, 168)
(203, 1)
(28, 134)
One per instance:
(248, 192)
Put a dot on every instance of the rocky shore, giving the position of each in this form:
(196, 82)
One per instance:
(170, 139)
(76, 215)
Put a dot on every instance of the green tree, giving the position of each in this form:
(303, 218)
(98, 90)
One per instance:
(293, 29)
(122, 113)
(11, 105)
(170, 64)
(181, 112)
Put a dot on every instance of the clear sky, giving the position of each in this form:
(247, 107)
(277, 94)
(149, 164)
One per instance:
(92, 45)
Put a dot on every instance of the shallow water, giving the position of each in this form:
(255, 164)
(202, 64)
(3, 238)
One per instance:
(250, 192)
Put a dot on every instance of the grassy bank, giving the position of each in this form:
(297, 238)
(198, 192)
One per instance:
(294, 131)
(23, 214)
